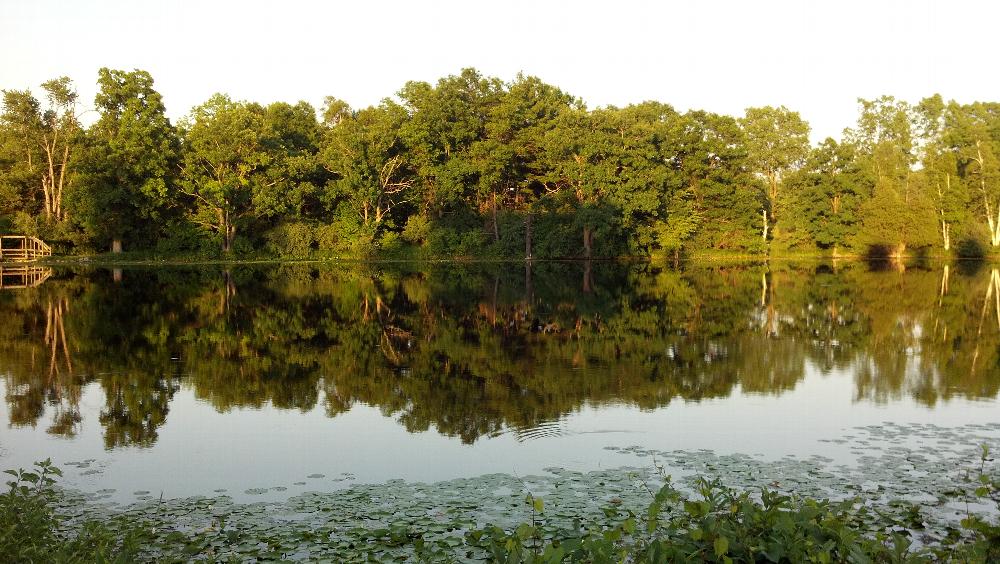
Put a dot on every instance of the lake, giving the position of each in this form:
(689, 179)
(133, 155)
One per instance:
(265, 381)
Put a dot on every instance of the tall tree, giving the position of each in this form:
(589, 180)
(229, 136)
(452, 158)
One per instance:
(224, 168)
(777, 141)
(972, 135)
(900, 212)
(131, 158)
(824, 198)
(364, 153)
(444, 122)
(508, 158)
(712, 162)
(54, 131)
(940, 170)
(21, 155)
(292, 136)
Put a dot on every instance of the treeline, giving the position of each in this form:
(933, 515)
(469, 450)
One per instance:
(474, 166)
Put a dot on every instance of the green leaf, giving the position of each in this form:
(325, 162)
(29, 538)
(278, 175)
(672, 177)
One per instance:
(721, 546)
(538, 504)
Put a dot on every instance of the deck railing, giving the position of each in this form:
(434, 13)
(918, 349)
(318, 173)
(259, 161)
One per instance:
(18, 248)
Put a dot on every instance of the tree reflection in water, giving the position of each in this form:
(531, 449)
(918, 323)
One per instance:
(473, 350)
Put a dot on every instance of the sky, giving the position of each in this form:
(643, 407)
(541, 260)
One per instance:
(816, 57)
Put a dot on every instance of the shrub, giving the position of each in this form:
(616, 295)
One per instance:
(291, 240)
(29, 529)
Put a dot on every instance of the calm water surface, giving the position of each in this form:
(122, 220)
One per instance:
(186, 381)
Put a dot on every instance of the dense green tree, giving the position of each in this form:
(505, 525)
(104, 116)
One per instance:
(225, 168)
(371, 178)
(777, 141)
(824, 199)
(130, 160)
(900, 211)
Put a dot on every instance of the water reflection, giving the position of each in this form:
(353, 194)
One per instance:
(473, 351)
(20, 276)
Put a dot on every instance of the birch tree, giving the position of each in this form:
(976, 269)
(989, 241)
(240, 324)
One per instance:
(49, 137)
(971, 136)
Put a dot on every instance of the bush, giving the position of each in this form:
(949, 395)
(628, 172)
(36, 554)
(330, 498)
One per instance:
(29, 529)
(186, 238)
(971, 249)
(417, 229)
(290, 240)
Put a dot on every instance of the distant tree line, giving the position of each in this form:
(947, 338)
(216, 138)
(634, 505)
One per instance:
(474, 166)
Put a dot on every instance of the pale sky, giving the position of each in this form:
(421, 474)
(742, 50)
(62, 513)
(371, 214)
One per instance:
(815, 57)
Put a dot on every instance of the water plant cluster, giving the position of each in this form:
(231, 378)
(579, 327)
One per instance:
(726, 508)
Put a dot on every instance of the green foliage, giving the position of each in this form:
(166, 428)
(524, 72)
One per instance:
(723, 525)
(31, 532)
(293, 240)
(472, 166)
(987, 547)
(129, 162)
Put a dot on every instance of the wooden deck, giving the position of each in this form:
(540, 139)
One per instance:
(18, 248)
(15, 277)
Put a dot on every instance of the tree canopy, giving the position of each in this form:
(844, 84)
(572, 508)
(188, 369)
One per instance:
(475, 166)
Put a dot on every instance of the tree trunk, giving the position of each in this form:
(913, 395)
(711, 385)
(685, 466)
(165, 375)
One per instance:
(116, 246)
(994, 224)
(944, 285)
(588, 240)
(228, 231)
(900, 251)
(229, 236)
(62, 183)
(496, 224)
(527, 237)
(528, 289)
(588, 277)
(48, 198)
